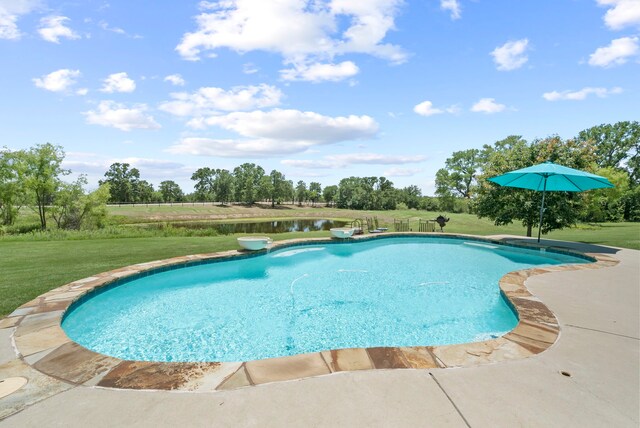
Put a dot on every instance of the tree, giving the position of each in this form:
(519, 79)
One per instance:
(411, 196)
(631, 202)
(329, 194)
(289, 191)
(277, 185)
(443, 190)
(266, 189)
(301, 192)
(142, 191)
(204, 187)
(42, 176)
(223, 186)
(12, 189)
(247, 180)
(315, 192)
(123, 182)
(506, 204)
(387, 195)
(357, 193)
(617, 146)
(73, 209)
(606, 204)
(458, 178)
(171, 191)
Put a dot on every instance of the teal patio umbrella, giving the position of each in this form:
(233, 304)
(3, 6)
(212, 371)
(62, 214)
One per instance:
(552, 177)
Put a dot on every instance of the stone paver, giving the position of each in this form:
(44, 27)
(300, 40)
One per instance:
(75, 363)
(49, 337)
(347, 360)
(150, 375)
(9, 322)
(420, 357)
(388, 358)
(6, 349)
(286, 368)
(33, 323)
(473, 354)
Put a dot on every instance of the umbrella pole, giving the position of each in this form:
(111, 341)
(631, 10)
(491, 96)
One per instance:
(544, 190)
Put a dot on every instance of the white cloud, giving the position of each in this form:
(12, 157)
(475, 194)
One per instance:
(511, 55)
(487, 105)
(402, 172)
(452, 6)
(58, 81)
(302, 31)
(321, 72)
(581, 94)
(106, 27)
(118, 82)
(210, 100)
(344, 160)
(295, 125)
(52, 29)
(157, 164)
(249, 68)
(617, 53)
(10, 12)
(8, 27)
(426, 108)
(110, 113)
(623, 13)
(275, 133)
(175, 79)
(207, 5)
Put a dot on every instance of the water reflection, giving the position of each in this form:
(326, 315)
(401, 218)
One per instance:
(277, 226)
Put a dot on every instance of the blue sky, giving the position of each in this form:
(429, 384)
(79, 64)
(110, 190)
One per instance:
(319, 90)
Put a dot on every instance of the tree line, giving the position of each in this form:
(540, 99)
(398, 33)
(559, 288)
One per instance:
(33, 178)
(249, 183)
(609, 150)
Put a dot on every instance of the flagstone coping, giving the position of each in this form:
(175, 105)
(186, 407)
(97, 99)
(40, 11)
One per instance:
(41, 343)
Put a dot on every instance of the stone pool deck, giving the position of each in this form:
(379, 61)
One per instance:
(597, 310)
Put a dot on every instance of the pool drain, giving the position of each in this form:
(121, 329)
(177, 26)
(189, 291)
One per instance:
(10, 385)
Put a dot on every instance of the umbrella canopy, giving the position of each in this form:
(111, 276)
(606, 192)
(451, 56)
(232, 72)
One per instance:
(552, 177)
(555, 177)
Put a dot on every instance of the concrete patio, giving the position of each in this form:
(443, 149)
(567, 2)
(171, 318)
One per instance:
(589, 377)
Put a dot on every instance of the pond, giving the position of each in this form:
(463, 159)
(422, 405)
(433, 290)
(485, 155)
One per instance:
(276, 226)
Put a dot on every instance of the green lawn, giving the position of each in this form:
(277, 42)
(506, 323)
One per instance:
(33, 264)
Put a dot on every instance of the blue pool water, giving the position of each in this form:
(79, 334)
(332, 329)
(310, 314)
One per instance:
(407, 291)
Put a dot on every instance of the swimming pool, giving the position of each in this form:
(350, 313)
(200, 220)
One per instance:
(398, 291)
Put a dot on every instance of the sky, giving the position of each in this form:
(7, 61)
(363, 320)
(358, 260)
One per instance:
(319, 90)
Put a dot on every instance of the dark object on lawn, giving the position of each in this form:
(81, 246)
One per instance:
(442, 221)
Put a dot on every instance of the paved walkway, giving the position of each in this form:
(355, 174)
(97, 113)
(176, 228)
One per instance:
(599, 348)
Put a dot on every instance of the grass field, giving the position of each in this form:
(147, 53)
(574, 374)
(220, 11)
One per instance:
(32, 264)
